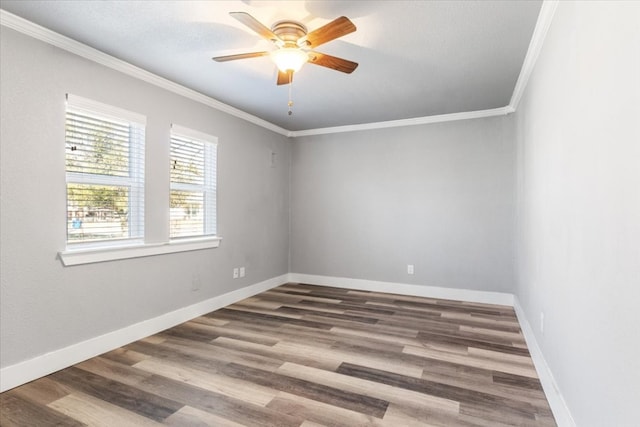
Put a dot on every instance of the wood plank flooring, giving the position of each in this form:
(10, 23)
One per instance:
(303, 355)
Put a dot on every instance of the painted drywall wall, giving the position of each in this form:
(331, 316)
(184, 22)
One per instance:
(364, 205)
(578, 204)
(45, 306)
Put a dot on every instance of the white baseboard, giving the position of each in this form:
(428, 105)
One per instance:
(556, 401)
(29, 370)
(485, 297)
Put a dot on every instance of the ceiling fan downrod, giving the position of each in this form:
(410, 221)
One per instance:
(290, 103)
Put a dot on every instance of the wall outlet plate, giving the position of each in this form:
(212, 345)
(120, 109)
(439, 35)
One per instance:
(410, 269)
(236, 273)
(242, 271)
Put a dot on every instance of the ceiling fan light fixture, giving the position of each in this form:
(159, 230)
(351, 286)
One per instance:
(289, 59)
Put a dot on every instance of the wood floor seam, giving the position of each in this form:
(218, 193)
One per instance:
(303, 355)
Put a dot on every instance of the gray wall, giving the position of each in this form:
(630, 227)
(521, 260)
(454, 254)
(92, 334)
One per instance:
(45, 306)
(439, 196)
(363, 205)
(579, 208)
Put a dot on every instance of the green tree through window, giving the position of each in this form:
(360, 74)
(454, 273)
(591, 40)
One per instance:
(105, 173)
(193, 184)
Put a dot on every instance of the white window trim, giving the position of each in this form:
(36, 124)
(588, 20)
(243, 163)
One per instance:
(136, 182)
(112, 253)
(95, 252)
(210, 208)
(111, 112)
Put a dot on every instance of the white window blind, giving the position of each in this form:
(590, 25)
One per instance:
(193, 183)
(105, 173)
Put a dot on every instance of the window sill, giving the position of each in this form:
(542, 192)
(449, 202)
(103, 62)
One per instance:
(88, 256)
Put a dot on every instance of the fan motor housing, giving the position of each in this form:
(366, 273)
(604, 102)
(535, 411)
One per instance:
(289, 31)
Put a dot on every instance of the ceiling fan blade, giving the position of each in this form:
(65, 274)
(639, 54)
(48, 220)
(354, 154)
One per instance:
(332, 62)
(239, 56)
(285, 77)
(334, 29)
(255, 25)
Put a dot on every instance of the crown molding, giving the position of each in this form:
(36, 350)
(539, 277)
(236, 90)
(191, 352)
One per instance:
(406, 122)
(543, 23)
(545, 17)
(40, 33)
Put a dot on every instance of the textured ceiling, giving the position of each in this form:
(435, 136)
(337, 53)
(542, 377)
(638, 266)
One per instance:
(417, 58)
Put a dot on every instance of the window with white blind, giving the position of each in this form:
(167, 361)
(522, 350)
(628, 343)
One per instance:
(105, 174)
(193, 183)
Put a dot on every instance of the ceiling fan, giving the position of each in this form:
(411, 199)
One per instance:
(295, 45)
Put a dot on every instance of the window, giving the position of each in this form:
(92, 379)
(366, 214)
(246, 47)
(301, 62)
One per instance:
(193, 184)
(104, 164)
(105, 174)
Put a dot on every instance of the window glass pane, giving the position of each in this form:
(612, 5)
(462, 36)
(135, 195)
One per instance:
(97, 212)
(104, 164)
(193, 183)
(187, 213)
(96, 146)
(187, 161)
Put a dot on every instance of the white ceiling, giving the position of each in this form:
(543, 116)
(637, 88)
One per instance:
(417, 58)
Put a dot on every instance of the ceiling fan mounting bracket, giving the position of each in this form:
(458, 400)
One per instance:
(289, 31)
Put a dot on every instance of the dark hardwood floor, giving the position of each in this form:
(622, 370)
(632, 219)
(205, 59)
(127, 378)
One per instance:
(302, 355)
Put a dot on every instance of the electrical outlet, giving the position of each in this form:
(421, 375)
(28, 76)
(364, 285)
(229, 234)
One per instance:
(542, 323)
(410, 269)
(236, 273)
(241, 271)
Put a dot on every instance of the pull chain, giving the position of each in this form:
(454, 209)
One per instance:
(290, 104)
